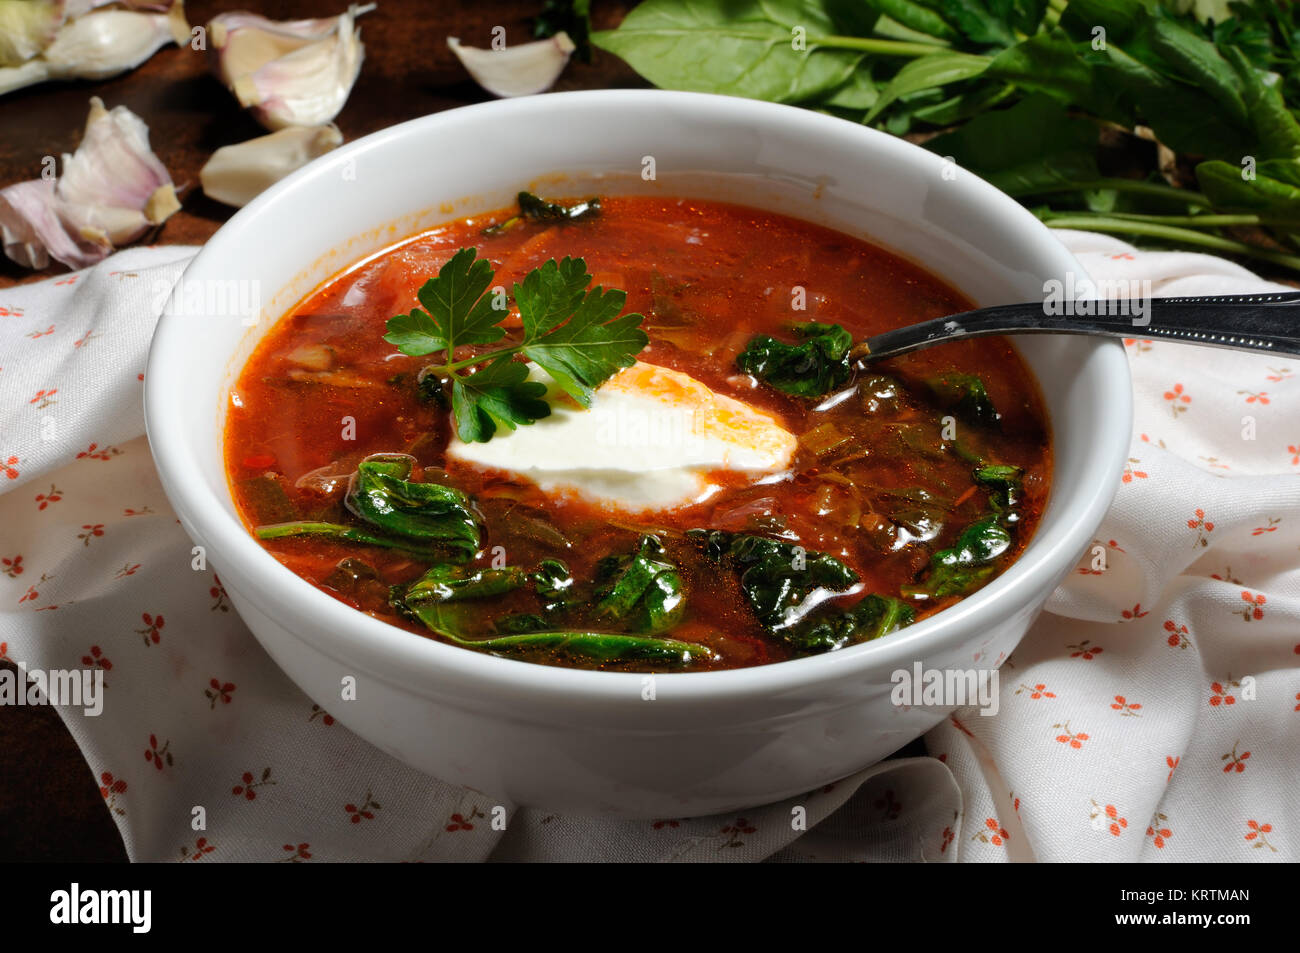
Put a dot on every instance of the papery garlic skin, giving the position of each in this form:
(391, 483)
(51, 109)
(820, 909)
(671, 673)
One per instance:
(237, 174)
(99, 45)
(288, 73)
(76, 8)
(33, 232)
(112, 190)
(516, 70)
(269, 38)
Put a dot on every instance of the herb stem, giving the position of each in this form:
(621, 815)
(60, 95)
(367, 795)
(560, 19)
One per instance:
(454, 366)
(871, 44)
(1136, 186)
(350, 533)
(1185, 236)
(1210, 221)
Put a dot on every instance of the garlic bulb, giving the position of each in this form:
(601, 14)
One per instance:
(113, 188)
(292, 72)
(239, 173)
(100, 44)
(516, 70)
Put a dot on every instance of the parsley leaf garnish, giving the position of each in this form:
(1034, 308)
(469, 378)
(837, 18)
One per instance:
(574, 333)
(456, 310)
(584, 351)
(500, 392)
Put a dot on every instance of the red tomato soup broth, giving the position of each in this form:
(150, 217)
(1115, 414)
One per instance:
(921, 477)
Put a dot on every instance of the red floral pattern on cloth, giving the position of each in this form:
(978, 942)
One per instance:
(1204, 551)
(206, 752)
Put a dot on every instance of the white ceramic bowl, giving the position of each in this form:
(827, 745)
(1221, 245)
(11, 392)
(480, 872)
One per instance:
(592, 742)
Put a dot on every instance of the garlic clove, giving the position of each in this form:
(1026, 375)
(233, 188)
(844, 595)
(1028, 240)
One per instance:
(114, 169)
(308, 86)
(28, 74)
(101, 44)
(244, 42)
(26, 28)
(104, 43)
(33, 231)
(113, 188)
(238, 173)
(289, 73)
(516, 70)
(249, 40)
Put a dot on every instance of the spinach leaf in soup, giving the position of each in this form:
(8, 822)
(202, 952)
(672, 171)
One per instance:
(429, 520)
(381, 494)
(349, 534)
(599, 647)
(966, 396)
(444, 600)
(872, 617)
(554, 585)
(778, 578)
(966, 565)
(457, 583)
(917, 510)
(640, 592)
(970, 562)
(1004, 485)
(775, 576)
(815, 366)
(533, 208)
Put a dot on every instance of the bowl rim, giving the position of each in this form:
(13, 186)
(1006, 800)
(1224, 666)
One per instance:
(399, 656)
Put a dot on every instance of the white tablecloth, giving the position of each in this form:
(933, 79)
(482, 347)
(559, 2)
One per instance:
(1153, 713)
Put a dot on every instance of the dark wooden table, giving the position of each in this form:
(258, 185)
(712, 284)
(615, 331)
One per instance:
(50, 807)
(408, 72)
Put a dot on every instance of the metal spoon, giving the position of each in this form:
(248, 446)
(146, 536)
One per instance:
(1259, 322)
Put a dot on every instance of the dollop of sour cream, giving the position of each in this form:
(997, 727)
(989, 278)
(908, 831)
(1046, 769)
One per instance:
(653, 439)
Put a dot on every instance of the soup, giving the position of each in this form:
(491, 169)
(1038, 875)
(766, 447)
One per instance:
(471, 436)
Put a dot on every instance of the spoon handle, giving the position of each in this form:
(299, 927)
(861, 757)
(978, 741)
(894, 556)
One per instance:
(1258, 322)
